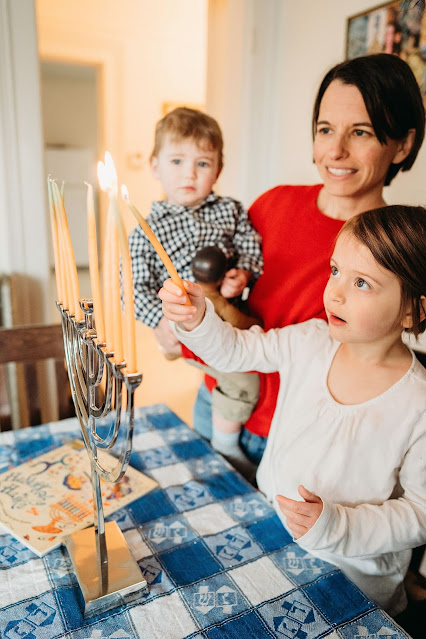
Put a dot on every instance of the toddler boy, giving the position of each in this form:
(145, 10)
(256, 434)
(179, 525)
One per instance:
(187, 159)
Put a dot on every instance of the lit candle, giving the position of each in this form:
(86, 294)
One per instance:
(129, 310)
(109, 336)
(118, 243)
(65, 246)
(115, 290)
(93, 266)
(155, 243)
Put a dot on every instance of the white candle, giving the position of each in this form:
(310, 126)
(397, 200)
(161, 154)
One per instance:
(122, 331)
(94, 267)
(65, 246)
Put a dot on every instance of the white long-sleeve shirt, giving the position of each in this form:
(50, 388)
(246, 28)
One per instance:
(367, 461)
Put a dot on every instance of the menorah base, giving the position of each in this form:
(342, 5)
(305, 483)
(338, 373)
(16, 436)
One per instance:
(123, 580)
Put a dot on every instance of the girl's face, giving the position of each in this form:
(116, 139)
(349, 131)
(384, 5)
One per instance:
(349, 157)
(362, 299)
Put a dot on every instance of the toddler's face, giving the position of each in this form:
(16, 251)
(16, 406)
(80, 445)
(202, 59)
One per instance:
(187, 171)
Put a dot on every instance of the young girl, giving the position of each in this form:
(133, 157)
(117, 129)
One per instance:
(345, 461)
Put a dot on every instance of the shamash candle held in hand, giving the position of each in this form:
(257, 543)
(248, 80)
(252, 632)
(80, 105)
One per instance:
(155, 243)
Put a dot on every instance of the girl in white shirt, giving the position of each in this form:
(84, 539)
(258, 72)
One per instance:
(345, 462)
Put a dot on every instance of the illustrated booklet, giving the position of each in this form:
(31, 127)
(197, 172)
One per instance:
(45, 499)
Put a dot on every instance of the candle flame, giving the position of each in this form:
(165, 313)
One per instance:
(102, 177)
(125, 193)
(107, 175)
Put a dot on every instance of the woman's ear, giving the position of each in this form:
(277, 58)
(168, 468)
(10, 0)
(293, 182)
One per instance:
(404, 147)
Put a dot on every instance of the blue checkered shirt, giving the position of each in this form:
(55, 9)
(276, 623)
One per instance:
(183, 230)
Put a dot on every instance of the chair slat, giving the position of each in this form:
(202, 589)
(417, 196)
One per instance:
(31, 343)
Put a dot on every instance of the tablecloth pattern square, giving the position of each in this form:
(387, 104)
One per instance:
(218, 562)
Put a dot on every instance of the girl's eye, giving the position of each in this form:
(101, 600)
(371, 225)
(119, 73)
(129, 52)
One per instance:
(203, 164)
(334, 271)
(176, 161)
(362, 284)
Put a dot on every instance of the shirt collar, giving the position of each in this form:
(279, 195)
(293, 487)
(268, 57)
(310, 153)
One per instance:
(162, 207)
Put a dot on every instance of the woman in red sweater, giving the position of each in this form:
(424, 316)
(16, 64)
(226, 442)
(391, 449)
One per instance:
(368, 123)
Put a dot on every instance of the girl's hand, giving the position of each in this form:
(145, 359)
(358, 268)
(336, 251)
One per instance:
(174, 307)
(234, 282)
(300, 515)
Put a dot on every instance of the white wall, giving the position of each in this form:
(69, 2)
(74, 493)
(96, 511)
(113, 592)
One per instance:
(149, 53)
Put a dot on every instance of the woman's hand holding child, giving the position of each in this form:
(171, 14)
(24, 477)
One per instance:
(300, 515)
(175, 309)
(234, 282)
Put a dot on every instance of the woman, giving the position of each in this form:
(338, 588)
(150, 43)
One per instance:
(368, 123)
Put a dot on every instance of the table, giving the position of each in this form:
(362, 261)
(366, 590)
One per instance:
(218, 561)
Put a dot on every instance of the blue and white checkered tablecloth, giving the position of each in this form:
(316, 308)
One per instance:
(218, 562)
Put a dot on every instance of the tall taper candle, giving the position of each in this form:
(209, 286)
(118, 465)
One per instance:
(94, 267)
(129, 334)
(69, 262)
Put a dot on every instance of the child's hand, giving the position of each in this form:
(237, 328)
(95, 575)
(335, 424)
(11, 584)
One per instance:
(300, 515)
(234, 282)
(174, 307)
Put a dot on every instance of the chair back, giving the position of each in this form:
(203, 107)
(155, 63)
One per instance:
(34, 385)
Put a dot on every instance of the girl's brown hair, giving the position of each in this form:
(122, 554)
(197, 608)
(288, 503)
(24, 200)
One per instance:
(182, 123)
(396, 236)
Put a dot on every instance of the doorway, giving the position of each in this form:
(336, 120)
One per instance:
(69, 100)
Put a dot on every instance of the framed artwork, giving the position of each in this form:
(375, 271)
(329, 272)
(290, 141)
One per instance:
(397, 27)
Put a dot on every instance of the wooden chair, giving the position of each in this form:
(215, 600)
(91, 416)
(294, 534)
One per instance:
(33, 390)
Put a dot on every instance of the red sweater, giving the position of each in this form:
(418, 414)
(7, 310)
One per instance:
(297, 242)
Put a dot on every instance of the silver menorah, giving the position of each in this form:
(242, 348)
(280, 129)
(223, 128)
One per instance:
(107, 573)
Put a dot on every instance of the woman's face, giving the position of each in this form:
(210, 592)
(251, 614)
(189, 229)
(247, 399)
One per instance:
(350, 159)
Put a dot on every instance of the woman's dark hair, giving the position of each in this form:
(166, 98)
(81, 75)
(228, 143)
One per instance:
(392, 98)
(396, 236)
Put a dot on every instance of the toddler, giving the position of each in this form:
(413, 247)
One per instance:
(187, 159)
(345, 460)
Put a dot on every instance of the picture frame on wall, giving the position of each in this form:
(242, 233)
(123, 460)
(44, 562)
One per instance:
(397, 27)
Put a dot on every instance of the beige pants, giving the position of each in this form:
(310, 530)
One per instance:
(235, 395)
